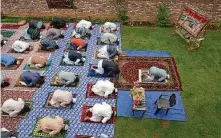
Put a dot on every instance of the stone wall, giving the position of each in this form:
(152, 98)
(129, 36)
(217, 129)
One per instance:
(137, 10)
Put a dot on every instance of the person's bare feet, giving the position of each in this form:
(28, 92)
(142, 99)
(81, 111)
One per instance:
(86, 118)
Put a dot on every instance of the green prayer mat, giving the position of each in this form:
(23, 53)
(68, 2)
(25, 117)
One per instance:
(27, 67)
(42, 134)
(75, 84)
(7, 33)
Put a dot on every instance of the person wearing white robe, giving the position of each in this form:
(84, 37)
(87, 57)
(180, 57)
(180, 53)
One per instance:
(84, 23)
(108, 38)
(109, 27)
(13, 107)
(103, 88)
(20, 46)
(61, 98)
(100, 112)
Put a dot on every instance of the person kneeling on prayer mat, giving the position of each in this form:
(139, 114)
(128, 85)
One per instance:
(61, 98)
(108, 38)
(37, 62)
(81, 32)
(31, 79)
(9, 61)
(156, 74)
(108, 52)
(84, 23)
(48, 44)
(77, 44)
(66, 78)
(106, 66)
(103, 88)
(100, 112)
(52, 126)
(4, 82)
(20, 46)
(13, 107)
(108, 27)
(73, 58)
(54, 34)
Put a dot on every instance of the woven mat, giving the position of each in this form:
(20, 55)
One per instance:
(28, 67)
(89, 114)
(129, 67)
(7, 33)
(13, 67)
(91, 94)
(6, 121)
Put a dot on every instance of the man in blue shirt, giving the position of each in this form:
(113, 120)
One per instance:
(31, 79)
(48, 44)
(9, 61)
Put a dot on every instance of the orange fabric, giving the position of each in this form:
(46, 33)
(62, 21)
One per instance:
(39, 60)
(77, 42)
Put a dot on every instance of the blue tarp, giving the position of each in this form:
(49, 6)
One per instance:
(124, 106)
(147, 53)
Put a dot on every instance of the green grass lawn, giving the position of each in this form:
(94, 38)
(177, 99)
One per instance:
(200, 73)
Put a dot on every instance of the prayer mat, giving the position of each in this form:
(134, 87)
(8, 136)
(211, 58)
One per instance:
(75, 84)
(18, 84)
(105, 75)
(143, 79)
(84, 49)
(9, 122)
(91, 94)
(35, 132)
(44, 51)
(64, 64)
(101, 43)
(10, 26)
(7, 33)
(47, 104)
(20, 115)
(24, 52)
(13, 67)
(28, 67)
(129, 67)
(89, 114)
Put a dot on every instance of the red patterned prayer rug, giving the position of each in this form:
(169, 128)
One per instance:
(13, 67)
(8, 122)
(91, 94)
(10, 26)
(129, 67)
(89, 114)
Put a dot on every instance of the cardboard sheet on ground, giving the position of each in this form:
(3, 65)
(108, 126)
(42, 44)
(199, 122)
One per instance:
(124, 107)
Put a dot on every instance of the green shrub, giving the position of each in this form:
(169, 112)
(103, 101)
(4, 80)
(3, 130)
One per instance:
(163, 16)
(123, 16)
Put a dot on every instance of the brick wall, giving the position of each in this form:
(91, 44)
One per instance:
(137, 10)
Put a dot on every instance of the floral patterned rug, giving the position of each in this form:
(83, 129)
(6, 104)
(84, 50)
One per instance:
(129, 67)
